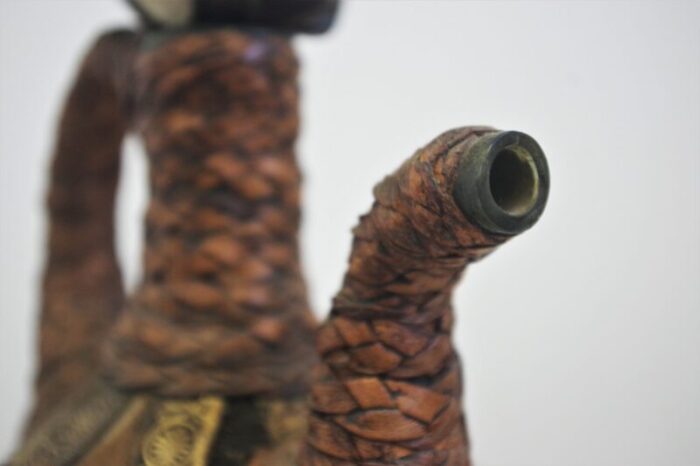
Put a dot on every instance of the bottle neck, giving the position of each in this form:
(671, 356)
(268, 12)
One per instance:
(222, 307)
(222, 231)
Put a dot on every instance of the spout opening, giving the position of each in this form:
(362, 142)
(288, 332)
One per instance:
(513, 181)
(503, 182)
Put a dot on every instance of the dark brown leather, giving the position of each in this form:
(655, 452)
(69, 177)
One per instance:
(221, 323)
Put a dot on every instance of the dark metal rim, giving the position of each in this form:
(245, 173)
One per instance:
(473, 191)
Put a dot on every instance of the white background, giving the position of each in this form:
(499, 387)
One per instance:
(581, 338)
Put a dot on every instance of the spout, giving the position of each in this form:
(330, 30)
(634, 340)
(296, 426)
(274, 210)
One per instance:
(388, 390)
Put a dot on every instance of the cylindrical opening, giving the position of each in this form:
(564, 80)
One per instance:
(513, 181)
(503, 182)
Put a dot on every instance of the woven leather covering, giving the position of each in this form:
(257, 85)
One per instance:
(222, 307)
(389, 389)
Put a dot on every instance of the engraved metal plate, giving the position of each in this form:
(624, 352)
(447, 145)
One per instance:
(183, 432)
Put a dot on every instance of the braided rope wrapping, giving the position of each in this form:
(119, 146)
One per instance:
(222, 307)
(388, 390)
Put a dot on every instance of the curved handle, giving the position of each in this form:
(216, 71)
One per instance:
(82, 285)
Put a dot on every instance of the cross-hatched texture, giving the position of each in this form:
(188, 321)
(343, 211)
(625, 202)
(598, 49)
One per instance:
(222, 307)
(389, 388)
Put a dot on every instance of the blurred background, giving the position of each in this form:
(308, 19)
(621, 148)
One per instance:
(581, 339)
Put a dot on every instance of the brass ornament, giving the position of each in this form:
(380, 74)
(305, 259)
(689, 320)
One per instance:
(183, 432)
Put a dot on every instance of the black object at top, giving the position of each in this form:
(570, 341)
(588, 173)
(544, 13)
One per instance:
(288, 16)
